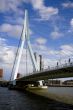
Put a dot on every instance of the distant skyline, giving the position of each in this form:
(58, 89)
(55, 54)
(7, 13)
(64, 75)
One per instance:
(51, 31)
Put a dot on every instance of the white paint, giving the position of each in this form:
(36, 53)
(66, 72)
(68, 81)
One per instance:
(21, 47)
(41, 82)
(25, 36)
(32, 57)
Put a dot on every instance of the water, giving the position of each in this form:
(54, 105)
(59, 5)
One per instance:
(15, 100)
(67, 91)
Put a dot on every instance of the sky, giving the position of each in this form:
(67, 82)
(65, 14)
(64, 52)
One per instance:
(51, 32)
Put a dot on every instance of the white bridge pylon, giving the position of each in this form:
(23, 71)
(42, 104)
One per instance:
(25, 36)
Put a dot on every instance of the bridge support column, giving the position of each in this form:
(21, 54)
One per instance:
(41, 83)
(14, 82)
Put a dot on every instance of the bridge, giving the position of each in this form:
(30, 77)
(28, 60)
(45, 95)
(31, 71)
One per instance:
(57, 72)
(62, 71)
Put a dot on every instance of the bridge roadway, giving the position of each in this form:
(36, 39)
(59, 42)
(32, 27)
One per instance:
(58, 72)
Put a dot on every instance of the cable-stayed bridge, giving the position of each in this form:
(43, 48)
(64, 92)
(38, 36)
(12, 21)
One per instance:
(62, 71)
(52, 73)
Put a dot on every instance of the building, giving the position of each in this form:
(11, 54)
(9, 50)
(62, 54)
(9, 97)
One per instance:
(68, 82)
(53, 82)
(18, 75)
(1, 74)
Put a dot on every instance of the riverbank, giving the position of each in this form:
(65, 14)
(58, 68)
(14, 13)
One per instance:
(45, 93)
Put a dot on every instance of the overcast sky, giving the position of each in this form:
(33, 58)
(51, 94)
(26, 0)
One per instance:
(51, 31)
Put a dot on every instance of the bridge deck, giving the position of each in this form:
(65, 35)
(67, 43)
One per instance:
(49, 74)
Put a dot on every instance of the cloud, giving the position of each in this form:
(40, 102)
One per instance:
(44, 12)
(71, 22)
(2, 41)
(12, 30)
(7, 57)
(68, 4)
(14, 20)
(6, 53)
(47, 13)
(48, 63)
(13, 27)
(50, 56)
(71, 26)
(66, 50)
(41, 40)
(62, 55)
(56, 34)
(11, 6)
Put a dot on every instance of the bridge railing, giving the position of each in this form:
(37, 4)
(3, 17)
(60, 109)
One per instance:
(53, 68)
(56, 67)
(59, 67)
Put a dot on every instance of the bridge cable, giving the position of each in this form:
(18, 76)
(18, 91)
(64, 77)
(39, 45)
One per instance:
(26, 58)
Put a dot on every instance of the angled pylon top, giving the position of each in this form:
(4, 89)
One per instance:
(26, 25)
(25, 36)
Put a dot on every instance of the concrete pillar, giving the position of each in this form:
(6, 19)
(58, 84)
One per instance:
(14, 82)
(41, 83)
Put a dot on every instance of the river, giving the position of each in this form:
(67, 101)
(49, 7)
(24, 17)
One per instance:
(68, 91)
(17, 100)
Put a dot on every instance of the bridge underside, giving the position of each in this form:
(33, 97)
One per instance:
(25, 83)
(52, 74)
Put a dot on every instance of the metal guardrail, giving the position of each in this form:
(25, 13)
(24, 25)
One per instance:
(70, 64)
(53, 68)
(59, 67)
